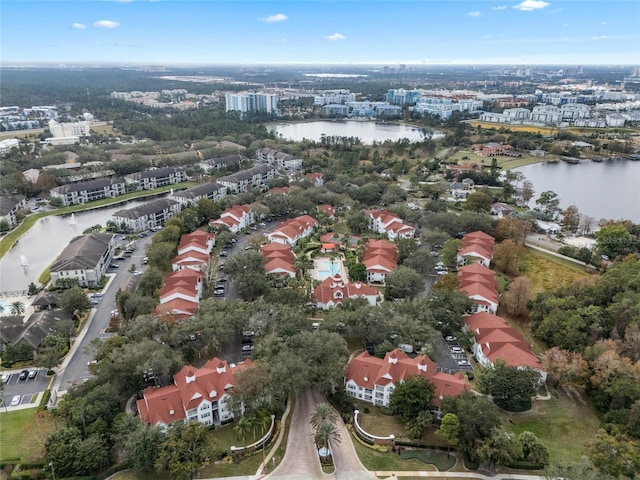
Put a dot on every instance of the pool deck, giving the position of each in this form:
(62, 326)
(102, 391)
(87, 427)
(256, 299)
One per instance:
(318, 267)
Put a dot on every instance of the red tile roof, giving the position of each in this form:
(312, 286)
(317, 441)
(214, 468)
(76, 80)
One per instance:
(367, 371)
(191, 387)
(334, 289)
(329, 210)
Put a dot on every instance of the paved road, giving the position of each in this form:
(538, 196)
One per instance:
(75, 367)
(300, 461)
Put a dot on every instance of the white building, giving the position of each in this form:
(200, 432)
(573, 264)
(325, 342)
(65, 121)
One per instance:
(85, 259)
(63, 130)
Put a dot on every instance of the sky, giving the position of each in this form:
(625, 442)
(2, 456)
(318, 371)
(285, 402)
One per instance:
(387, 32)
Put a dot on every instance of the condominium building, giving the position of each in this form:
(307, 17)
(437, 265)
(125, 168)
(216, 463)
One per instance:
(251, 102)
(63, 130)
(84, 192)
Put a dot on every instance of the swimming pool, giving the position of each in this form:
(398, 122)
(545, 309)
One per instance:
(328, 268)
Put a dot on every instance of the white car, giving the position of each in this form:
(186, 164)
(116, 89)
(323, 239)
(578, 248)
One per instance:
(15, 401)
(456, 350)
(6, 377)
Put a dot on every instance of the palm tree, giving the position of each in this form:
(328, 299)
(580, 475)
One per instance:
(323, 413)
(326, 432)
(244, 425)
(17, 308)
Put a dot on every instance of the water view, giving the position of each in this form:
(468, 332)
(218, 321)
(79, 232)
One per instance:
(609, 189)
(367, 132)
(36, 249)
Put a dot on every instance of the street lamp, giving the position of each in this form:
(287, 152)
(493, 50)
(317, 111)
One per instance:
(53, 471)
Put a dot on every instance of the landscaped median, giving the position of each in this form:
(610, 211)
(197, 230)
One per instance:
(12, 237)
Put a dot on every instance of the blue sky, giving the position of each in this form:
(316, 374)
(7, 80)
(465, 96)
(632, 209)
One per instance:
(310, 31)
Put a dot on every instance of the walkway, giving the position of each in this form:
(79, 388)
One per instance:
(534, 244)
(465, 475)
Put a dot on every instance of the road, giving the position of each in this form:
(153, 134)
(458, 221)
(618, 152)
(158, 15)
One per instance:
(75, 368)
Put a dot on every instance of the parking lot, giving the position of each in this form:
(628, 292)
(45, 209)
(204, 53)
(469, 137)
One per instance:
(27, 388)
(451, 356)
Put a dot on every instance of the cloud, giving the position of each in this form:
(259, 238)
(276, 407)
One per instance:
(78, 26)
(278, 17)
(106, 24)
(501, 7)
(336, 36)
(474, 14)
(530, 5)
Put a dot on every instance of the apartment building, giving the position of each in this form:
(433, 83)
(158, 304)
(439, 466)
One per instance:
(191, 196)
(143, 217)
(85, 192)
(255, 178)
(85, 259)
(159, 177)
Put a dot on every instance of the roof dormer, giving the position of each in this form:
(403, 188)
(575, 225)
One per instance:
(221, 368)
(422, 365)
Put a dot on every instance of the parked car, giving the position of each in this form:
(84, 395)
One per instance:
(224, 253)
(464, 363)
(32, 374)
(6, 377)
(405, 347)
(15, 401)
(247, 347)
(218, 292)
(114, 265)
(145, 260)
(456, 350)
(23, 375)
(450, 338)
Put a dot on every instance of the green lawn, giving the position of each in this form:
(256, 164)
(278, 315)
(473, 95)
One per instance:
(249, 466)
(23, 433)
(131, 475)
(561, 424)
(373, 460)
(440, 459)
(548, 272)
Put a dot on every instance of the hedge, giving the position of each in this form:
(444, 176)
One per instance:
(45, 399)
(524, 465)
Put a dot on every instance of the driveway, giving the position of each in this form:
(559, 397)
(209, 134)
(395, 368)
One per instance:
(301, 462)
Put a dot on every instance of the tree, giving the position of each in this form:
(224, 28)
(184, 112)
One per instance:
(411, 397)
(61, 450)
(564, 368)
(549, 203)
(140, 441)
(517, 296)
(615, 240)
(326, 433)
(571, 219)
(357, 222)
(508, 257)
(527, 192)
(323, 412)
(511, 387)
(614, 456)
(449, 253)
(161, 253)
(476, 414)
(17, 308)
(497, 450)
(513, 229)
(185, 449)
(478, 202)
(420, 261)
(403, 282)
(150, 282)
(532, 449)
(449, 430)
(582, 470)
(243, 426)
(75, 301)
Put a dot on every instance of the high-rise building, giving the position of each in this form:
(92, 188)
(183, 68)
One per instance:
(251, 102)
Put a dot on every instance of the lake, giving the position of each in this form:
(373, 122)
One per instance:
(45, 240)
(609, 189)
(367, 132)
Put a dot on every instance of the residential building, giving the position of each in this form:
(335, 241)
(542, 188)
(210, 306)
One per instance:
(84, 192)
(292, 230)
(480, 285)
(197, 394)
(255, 178)
(615, 120)
(85, 259)
(191, 196)
(380, 258)
(335, 110)
(251, 102)
(278, 259)
(158, 177)
(65, 130)
(516, 114)
(494, 339)
(372, 379)
(143, 217)
(492, 149)
(502, 210)
(197, 241)
(235, 218)
(283, 161)
(332, 291)
(180, 294)
(546, 114)
(15, 330)
(400, 96)
(328, 210)
(334, 97)
(220, 163)
(385, 222)
(476, 247)
(316, 178)
(8, 144)
(9, 206)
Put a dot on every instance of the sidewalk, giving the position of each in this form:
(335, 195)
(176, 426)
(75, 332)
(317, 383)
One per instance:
(465, 475)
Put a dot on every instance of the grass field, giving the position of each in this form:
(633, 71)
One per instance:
(515, 128)
(506, 163)
(548, 272)
(131, 475)
(562, 424)
(23, 433)
(373, 460)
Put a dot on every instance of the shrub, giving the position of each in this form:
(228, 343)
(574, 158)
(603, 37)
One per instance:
(366, 410)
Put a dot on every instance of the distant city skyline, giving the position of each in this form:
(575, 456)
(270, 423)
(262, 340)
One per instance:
(165, 32)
